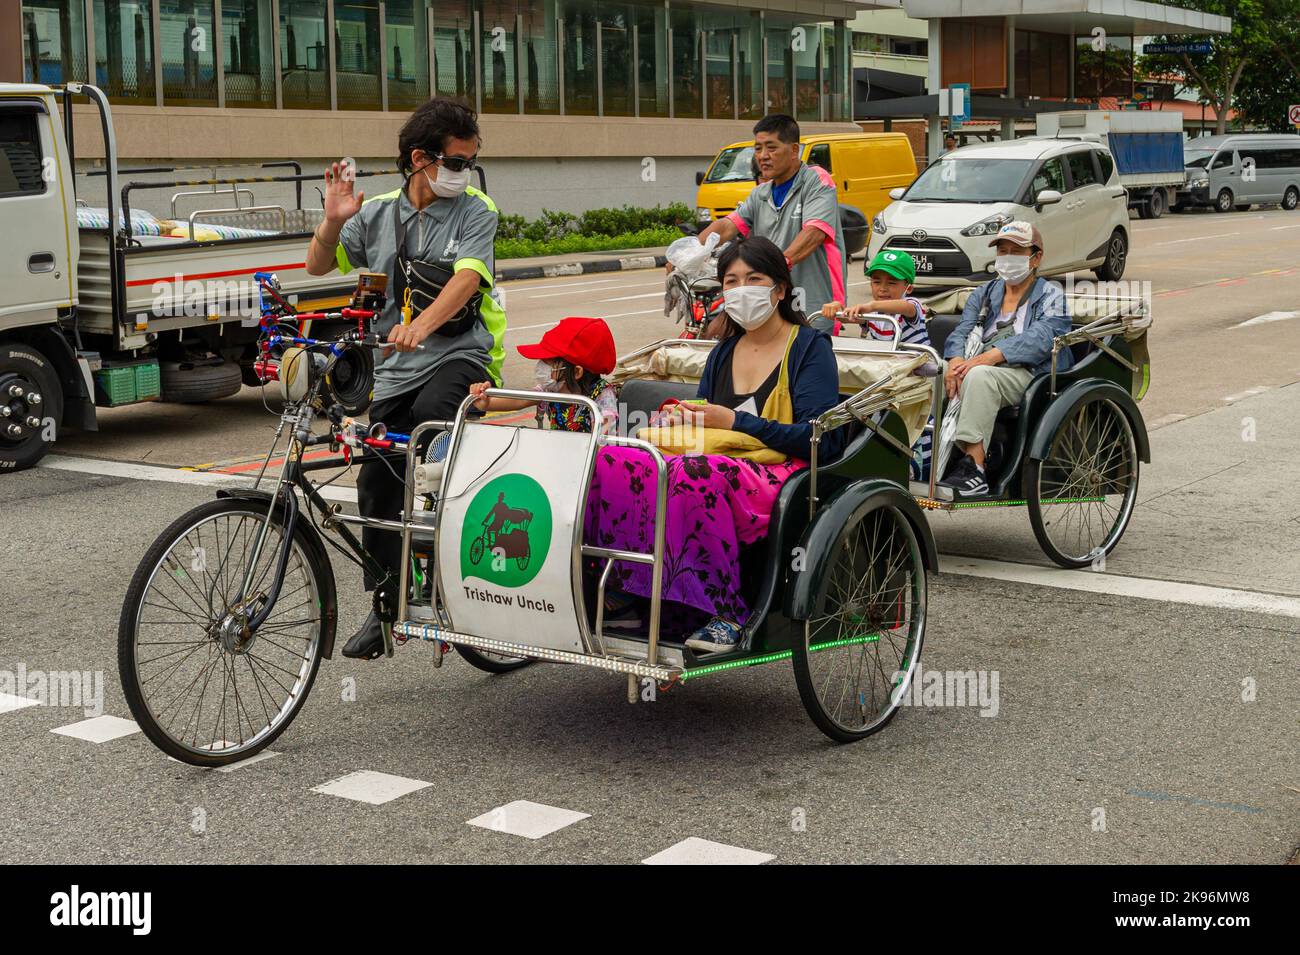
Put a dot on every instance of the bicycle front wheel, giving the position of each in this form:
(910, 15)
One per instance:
(201, 687)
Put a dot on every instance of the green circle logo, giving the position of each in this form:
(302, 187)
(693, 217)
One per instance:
(507, 531)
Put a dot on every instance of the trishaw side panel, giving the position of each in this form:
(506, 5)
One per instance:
(510, 518)
(868, 457)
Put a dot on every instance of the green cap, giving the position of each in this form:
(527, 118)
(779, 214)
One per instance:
(893, 262)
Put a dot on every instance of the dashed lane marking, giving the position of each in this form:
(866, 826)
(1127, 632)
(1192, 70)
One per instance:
(532, 820)
(99, 729)
(9, 702)
(371, 787)
(695, 851)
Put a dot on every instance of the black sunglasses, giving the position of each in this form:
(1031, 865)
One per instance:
(457, 164)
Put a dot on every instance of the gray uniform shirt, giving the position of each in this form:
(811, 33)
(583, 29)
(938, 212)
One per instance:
(823, 275)
(454, 233)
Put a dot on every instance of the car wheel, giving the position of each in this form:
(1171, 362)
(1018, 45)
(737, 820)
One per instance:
(1112, 269)
(1291, 199)
(1223, 201)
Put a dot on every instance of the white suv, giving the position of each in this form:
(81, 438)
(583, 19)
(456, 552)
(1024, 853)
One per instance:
(1069, 189)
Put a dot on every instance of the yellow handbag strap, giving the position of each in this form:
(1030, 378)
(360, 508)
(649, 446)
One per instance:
(779, 405)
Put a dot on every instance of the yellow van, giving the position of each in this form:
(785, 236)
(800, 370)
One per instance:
(865, 166)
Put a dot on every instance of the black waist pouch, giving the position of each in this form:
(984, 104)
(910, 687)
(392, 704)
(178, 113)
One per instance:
(426, 280)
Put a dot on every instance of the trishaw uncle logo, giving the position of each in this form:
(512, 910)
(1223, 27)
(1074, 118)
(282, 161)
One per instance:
(506, 533)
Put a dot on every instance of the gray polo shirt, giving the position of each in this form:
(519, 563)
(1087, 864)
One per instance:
(454, 233)
(823, 275)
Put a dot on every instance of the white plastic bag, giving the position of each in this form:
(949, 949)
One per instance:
(690, 257)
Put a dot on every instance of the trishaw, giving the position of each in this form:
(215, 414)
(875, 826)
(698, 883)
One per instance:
(1070, 451)
(233, 607)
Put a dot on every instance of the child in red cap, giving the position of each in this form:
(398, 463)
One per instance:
(573, 358)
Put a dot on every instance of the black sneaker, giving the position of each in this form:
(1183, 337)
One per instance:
(966, 478)
(368, 642)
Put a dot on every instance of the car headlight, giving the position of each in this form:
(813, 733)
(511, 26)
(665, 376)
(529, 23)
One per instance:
(987, 226)
(878, 224)
(1200, 183)
(702, 214)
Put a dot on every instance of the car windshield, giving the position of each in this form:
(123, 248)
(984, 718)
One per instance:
(734, 165)
(1197, 157)
(970, 180)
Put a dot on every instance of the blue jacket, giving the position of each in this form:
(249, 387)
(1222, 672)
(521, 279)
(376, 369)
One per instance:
(814, 389)
(1047, 317)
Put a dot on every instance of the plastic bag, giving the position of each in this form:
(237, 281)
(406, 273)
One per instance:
(691, 258)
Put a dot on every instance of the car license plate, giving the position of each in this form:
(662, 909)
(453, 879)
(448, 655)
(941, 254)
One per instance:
(923, 263)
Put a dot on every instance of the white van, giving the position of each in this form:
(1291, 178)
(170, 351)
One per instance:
(1068, 188)
(1240, 170)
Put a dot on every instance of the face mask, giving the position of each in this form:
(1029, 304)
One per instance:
(449, 184)
(1012, 268)
(542, 376)
(749, 306)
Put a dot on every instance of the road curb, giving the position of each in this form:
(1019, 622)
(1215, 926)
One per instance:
(518, 272)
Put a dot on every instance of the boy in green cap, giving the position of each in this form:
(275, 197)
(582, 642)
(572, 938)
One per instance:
(892, 273)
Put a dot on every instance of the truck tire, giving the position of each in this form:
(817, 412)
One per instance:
(28, 370)
(1156, 204)
(193, 383)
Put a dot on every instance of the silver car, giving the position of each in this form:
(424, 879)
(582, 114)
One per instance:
(1240, 170)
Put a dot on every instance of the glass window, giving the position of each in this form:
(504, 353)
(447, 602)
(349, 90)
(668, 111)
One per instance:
(719, 88)
(970, 180)
(453, 50)
(187, 44)
(1107, 72)
(688, 100)
(304, 63)
(1223, 160)
(407, 43)
(356, 50)
(749, 65)
(20, 145)
(579, 57)
(1049, 176)
(1082, 171)
(124, 50)
(1107, 166)
(820, 155)
(652, 60)
(733, 165)
(247, 52)
(541, 77)
(498, 54)
(54, 41)
(617, 71)
(780, 69)
(836, 72)
(806, 45)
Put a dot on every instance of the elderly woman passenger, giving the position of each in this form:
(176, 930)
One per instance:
(1017, 316)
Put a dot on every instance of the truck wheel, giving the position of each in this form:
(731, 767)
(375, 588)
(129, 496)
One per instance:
(1156, 204)
(191, 383)
(1223, 201)
(31, 406)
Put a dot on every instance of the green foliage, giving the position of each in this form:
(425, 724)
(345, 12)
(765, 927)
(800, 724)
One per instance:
(526, 247)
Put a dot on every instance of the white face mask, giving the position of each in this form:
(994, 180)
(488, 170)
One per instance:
(749, 306)
(1012, 268)
(542, 375)
(449, 184)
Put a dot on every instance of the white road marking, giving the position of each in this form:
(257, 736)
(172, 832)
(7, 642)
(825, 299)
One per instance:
(1279, 228)
(1199, 595)
(1196, 238)
(565, 294)
(1268, 317)
(644, 311)
(532, 820)
(99, 729)
(146, 472)
(240, 764)
(371, 787)
(1248, 393)
(9, 702)
(628, 298)
(694, 851)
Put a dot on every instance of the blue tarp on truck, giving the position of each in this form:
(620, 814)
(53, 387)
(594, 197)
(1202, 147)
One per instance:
(1137, 154)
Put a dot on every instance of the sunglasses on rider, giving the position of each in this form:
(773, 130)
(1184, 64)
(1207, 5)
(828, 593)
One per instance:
(456, 163)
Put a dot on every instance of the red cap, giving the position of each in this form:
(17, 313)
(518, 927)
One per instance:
(587, 342)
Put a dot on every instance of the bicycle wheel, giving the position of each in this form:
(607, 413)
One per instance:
(490, 662)
(204, 690)
(1081, 496)
(857, 656)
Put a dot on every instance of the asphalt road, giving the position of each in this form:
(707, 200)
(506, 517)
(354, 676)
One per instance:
(1144, 714)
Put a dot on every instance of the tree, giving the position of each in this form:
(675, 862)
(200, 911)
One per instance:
(1263, 38)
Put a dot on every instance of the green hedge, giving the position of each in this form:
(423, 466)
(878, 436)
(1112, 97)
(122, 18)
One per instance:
(595, 229)
(526, 248)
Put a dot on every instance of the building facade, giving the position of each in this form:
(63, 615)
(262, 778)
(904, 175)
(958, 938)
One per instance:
(577, 92)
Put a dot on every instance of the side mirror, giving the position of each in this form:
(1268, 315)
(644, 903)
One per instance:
(1046, 198)
(699, 177)
(897, 193)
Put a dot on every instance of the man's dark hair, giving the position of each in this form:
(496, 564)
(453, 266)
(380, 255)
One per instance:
(430, 126)
(785, 127)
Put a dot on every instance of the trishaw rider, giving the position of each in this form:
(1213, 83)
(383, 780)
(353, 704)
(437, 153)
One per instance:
(450, 335)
